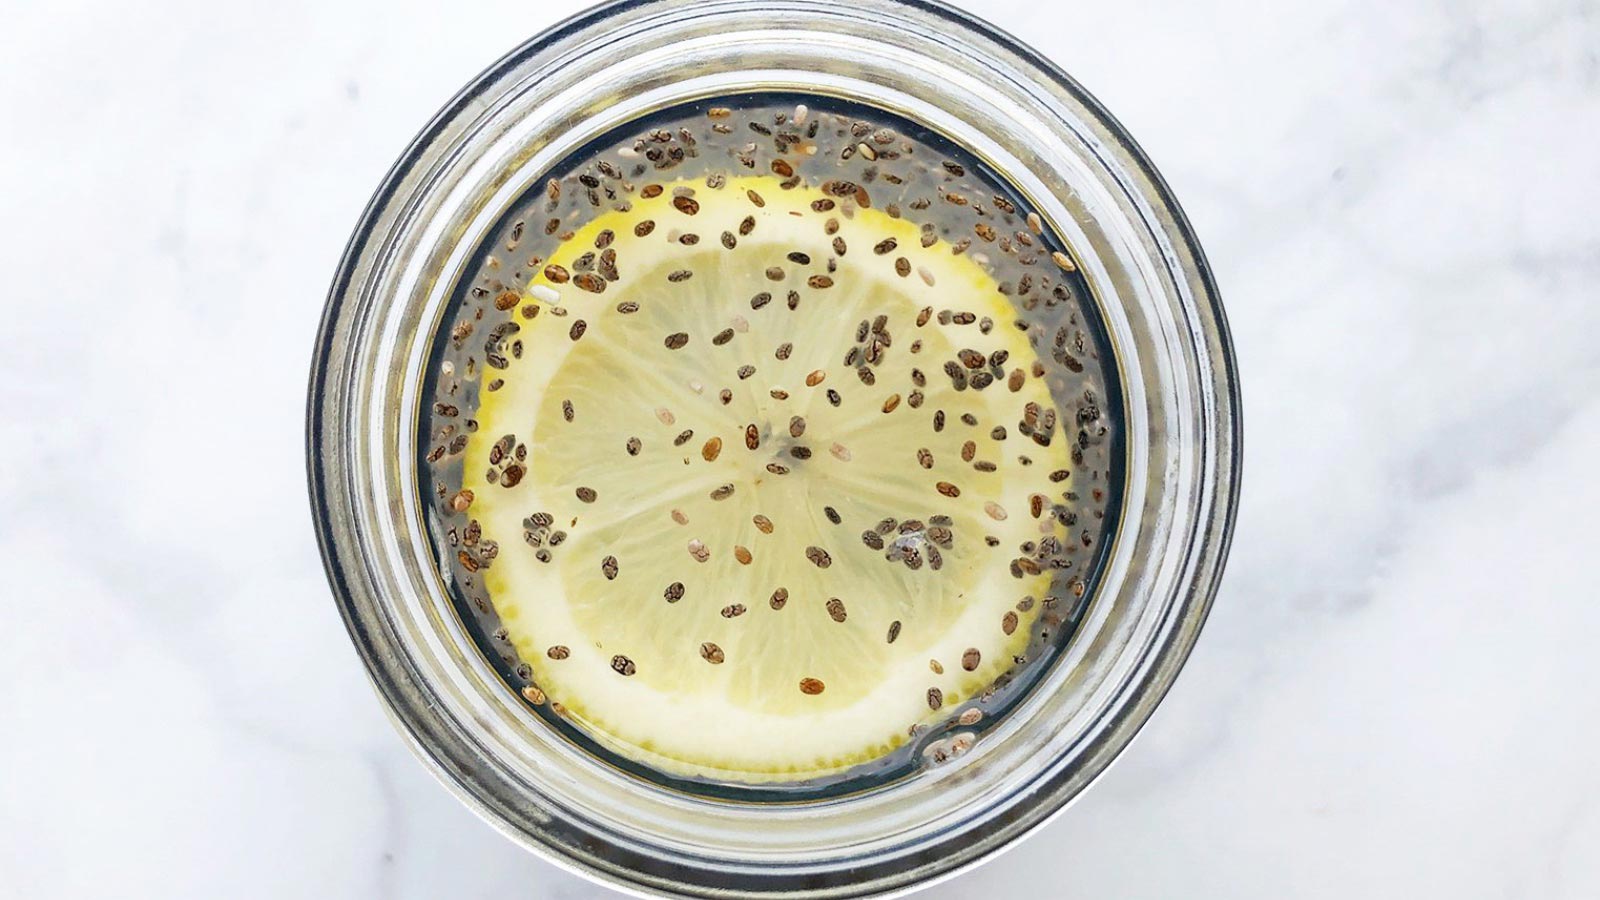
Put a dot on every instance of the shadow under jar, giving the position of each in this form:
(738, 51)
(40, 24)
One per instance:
(772, 447)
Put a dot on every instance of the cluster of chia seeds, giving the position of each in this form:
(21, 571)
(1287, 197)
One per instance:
(858, 159)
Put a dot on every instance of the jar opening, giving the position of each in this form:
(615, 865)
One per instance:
(1002, 379)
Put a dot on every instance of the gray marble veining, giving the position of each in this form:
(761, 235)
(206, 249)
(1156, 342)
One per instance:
(1393, 697)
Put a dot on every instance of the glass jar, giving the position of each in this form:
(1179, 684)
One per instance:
(921, 60)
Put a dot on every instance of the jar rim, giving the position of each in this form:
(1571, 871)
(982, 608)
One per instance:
(341, 391)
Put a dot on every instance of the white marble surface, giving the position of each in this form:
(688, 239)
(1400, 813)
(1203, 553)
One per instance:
(1395, 696)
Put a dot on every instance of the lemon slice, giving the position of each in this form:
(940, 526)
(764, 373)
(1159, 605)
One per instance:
(766, 473)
